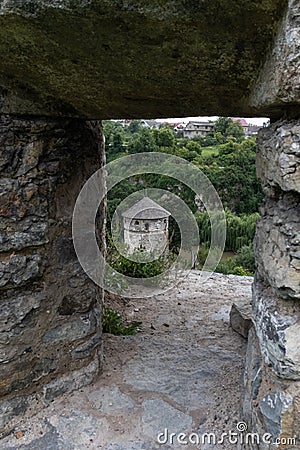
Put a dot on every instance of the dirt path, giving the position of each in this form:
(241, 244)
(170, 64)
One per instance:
(182, 373)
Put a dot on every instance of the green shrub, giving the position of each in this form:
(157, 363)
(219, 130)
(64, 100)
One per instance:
(245, 258)
(238, 270)
(112, 323)
(139, 269)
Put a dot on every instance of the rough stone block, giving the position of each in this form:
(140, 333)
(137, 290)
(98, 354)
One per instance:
(100, 76)
(278, 158)
(277, 87)
(73, 381)
(277, 323)
(50, 311)
(17, 270)
(277, 244)
(271, 405)
(72, 330)
(16, 407)
(241, 317)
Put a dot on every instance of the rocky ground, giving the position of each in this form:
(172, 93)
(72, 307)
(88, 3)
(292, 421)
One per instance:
(182, 373)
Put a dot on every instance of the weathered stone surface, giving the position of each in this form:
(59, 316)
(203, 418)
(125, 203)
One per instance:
(111, 401)
(17, 270)
(203, 395)
(241, 317)
(134, 445)
(271, 402)
(277, 87)
(50, 310)
(74, 380)
(72, 330)
(133, 59)
(278, 159)
(253, 373)
(277, 244)
(159, 415)
(172, 375)
(271, 405)
(17, 406)
(277, 323)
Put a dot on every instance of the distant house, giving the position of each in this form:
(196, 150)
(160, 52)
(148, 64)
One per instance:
(194, 129)
(242, 122)
(252, 130)
(150, 123)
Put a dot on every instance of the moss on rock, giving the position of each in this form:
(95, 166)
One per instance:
(133, 59)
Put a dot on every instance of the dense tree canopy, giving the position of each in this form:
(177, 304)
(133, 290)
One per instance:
(224, 155)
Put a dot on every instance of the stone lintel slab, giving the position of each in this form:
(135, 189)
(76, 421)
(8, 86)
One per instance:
(277, 88)
(138, 59)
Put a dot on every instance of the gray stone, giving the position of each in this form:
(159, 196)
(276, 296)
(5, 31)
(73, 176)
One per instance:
(270, 404)
(17, 270)
(71, 382)
(83, 351)
(102, 77)
(111, 401)
(241, 317)
(49, 441)
(253, 374)
(278, 159)
(272, 408)
(72, 330)
(27, 233)
(134, 445)
(163, 366)
(277, 243)
(277, 326)
(76, 429)
(12, 409)
(15, 309)
(159, 415)
(278, 83)
(44, 163)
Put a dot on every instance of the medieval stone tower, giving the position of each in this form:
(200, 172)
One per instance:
(146, 227)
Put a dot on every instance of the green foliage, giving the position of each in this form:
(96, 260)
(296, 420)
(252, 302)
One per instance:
(112, 323)
(164, 137)
(140, 269)
(232, 172)
(240, 229)
(245, 257)
(226, 158)
(229, 267)
(225, 129)
(240, 264)
(142, 142)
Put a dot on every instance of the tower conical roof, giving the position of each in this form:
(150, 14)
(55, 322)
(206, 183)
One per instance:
(146, 209)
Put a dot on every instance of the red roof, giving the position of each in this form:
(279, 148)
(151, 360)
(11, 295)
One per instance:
(242, 121)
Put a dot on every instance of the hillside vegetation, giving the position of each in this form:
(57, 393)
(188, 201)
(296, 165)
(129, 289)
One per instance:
(224, 156)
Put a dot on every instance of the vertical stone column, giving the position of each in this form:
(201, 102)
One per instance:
(50, 339)
(272, 402)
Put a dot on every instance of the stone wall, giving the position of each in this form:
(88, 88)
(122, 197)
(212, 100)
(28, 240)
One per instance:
(50, 337)
(272, 379)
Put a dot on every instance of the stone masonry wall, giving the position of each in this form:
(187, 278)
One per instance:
(50, 333)
(272, 379)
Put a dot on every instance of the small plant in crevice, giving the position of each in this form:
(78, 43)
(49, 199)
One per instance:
(112, 323)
